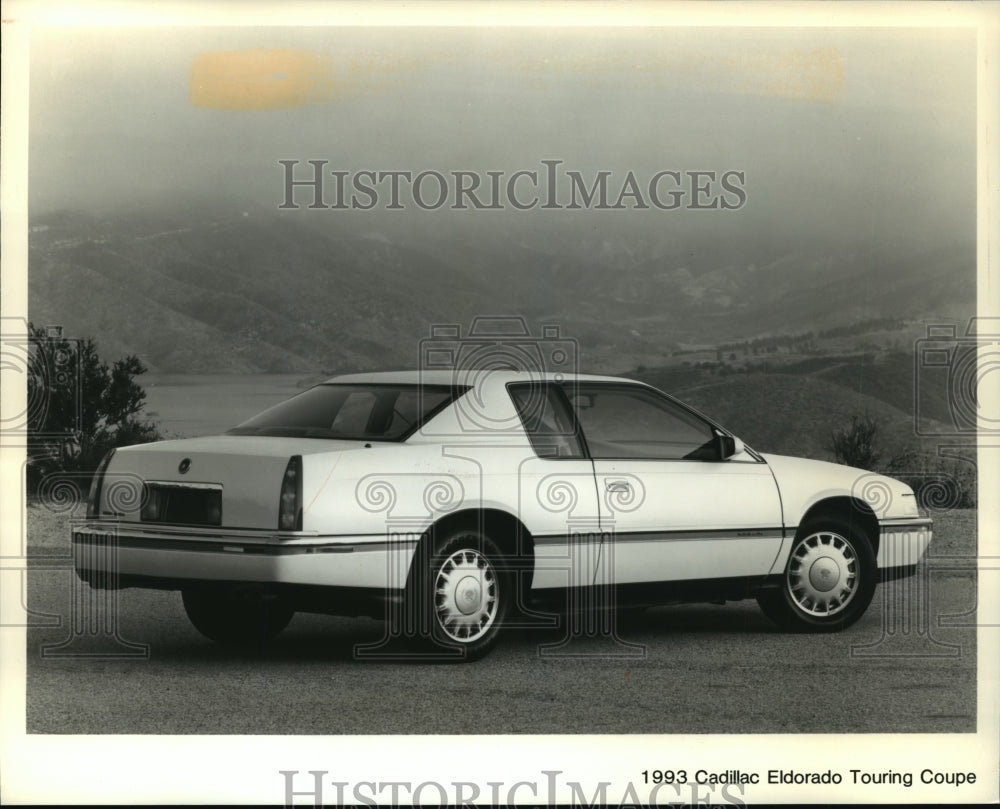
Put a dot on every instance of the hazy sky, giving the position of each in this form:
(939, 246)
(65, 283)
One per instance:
(837, 129)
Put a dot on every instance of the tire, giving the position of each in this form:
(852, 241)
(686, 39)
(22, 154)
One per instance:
(458, 595)
(828, 582)
(236, 616)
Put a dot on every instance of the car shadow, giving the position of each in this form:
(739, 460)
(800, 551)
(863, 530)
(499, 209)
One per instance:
(318, 638)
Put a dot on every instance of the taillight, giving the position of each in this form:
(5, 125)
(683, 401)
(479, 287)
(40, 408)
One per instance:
(152, 504)
(290, 505)
(94, 496)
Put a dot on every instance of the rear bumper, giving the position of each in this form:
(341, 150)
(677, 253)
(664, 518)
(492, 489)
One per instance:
(112, 555)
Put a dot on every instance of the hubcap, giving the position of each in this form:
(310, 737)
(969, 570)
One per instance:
(823, 574)
(465, 595)
(469, 595)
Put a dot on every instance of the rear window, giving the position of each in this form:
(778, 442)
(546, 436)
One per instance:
(352, 412)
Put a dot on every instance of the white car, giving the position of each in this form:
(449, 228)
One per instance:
(445, 500)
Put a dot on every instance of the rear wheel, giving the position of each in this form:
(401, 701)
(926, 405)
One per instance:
(236, 616)
(828, 582)
(458, 595)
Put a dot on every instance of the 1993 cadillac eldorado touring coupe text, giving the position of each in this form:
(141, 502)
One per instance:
(445, 500)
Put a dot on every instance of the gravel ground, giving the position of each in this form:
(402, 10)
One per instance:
(908, 666)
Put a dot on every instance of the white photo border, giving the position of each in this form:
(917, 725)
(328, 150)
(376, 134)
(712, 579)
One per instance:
(245, 770)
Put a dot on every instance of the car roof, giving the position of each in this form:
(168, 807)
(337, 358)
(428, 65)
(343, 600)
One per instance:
(463, 376)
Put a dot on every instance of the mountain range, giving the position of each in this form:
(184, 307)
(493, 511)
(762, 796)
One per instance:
(205, 289)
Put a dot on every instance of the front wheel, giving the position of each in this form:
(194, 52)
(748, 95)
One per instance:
(828, 582)
(459, 594)
(235, 616)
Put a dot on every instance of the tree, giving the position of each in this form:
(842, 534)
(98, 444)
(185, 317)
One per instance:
(79, 407)
(858, 444)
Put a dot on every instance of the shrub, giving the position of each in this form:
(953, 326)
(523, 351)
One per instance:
(940, 482)
(857, 444)
(79, 406)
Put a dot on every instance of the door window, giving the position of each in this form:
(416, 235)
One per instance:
(633, 422)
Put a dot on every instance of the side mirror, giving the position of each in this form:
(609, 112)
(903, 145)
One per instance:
(727, 446)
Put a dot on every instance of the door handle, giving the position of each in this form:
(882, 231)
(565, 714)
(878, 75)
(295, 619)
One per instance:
(618, 486)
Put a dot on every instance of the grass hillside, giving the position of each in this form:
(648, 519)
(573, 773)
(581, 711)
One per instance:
(206, 290)
(798, 403)
(796, 408)
(789, 414)
(242, 296)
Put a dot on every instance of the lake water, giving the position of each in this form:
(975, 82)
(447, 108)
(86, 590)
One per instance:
(187, 405)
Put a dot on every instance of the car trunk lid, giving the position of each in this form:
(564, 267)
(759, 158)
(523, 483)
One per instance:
(223, 481)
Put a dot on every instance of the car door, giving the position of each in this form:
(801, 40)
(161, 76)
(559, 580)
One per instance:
(671, 508)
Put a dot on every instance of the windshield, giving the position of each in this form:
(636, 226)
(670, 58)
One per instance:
(359, 412)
